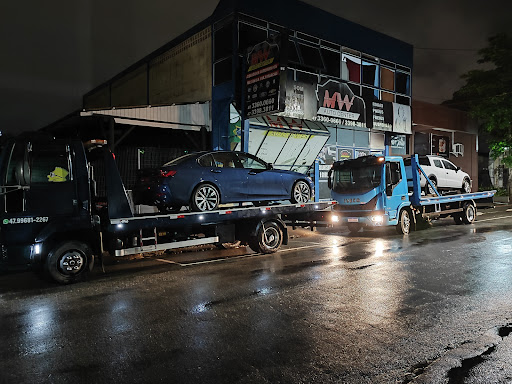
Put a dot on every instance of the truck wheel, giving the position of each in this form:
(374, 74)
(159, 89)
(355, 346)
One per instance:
(301, 192)
(205, 198)
(69, 262)
(466, 186)
(468, 213)
(404, 222)
(457, 218)
(268, 239)
(354, 227)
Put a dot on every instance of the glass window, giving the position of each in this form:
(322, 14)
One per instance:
(403, 100)
(311, 56)
(223, 42)
(386, 96)
(50, 165)
(449, 165)
(206, 161)
(345, 137)
(377, 140)
(225, 160)
(308, 78)
(403, 83)
(394, 174)
(350, 68)
(370, 74)
(222, 71)
(249, 36)
(361, 138)
(179, 160)
(437, 163)
(251, 162)
(370, 93)
(292, 52)
(17, 168)
(387, 79)
(332, 62)
(424, 160)
(356, 89)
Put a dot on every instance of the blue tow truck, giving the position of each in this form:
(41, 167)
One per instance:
(54, 218)
(376, 191)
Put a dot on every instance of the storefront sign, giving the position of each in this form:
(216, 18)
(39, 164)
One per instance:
(402, 121)
(263, 79)
(381, 116)
(337, 104)
(345, 153)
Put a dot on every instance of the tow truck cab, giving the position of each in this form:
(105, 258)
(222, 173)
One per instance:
(370, 190)
(381, 191)
(45, 199)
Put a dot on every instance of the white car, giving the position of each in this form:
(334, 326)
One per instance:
(443, 174)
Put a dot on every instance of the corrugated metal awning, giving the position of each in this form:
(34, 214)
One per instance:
(190, 117)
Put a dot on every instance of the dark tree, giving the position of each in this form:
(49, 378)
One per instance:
(487, 95)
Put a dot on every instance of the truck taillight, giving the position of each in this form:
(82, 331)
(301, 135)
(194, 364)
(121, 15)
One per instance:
(167, 174)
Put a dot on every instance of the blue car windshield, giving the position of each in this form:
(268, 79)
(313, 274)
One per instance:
(348, 180)
(180, 159)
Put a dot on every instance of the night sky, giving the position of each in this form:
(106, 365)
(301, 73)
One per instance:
(54, 52)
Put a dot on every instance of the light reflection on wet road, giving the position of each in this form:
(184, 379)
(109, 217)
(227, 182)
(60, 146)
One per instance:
(328, 308)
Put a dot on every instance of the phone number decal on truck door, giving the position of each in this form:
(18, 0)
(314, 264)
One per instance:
(26, 220)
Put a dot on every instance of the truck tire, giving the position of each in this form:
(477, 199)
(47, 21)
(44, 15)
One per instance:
(268, 239)
(404, 222)
(468, 213)
(457, 218)
(69, 262)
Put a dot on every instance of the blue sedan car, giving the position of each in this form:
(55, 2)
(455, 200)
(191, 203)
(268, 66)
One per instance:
(203, 180)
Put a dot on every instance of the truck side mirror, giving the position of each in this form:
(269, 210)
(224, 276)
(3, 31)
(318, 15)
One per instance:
(329, 179)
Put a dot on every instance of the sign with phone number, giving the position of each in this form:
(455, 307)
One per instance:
(26, 220)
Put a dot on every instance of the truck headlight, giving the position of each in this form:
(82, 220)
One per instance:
(36, 249)
(378, 219)
(335, 218)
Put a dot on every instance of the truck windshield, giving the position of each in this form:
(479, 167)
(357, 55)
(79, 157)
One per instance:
(349, 179)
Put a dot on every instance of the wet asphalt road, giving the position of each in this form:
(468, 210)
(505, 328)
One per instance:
(431, 307)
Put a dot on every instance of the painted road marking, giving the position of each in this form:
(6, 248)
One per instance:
(494, 218)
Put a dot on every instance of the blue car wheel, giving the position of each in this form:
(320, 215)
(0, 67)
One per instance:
(301, 192)
(206, 197)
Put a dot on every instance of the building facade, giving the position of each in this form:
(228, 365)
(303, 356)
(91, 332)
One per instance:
(447, 132)
(286, 81)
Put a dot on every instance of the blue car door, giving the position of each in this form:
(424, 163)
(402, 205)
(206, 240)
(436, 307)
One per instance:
(262, 182)
(229, 176)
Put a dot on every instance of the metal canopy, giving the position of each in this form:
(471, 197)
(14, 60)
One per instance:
(190, 117)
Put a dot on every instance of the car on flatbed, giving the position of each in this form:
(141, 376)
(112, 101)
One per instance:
(203, 180)
(445, 175)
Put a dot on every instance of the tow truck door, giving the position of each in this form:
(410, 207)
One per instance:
(52, 191)
(396, 187)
